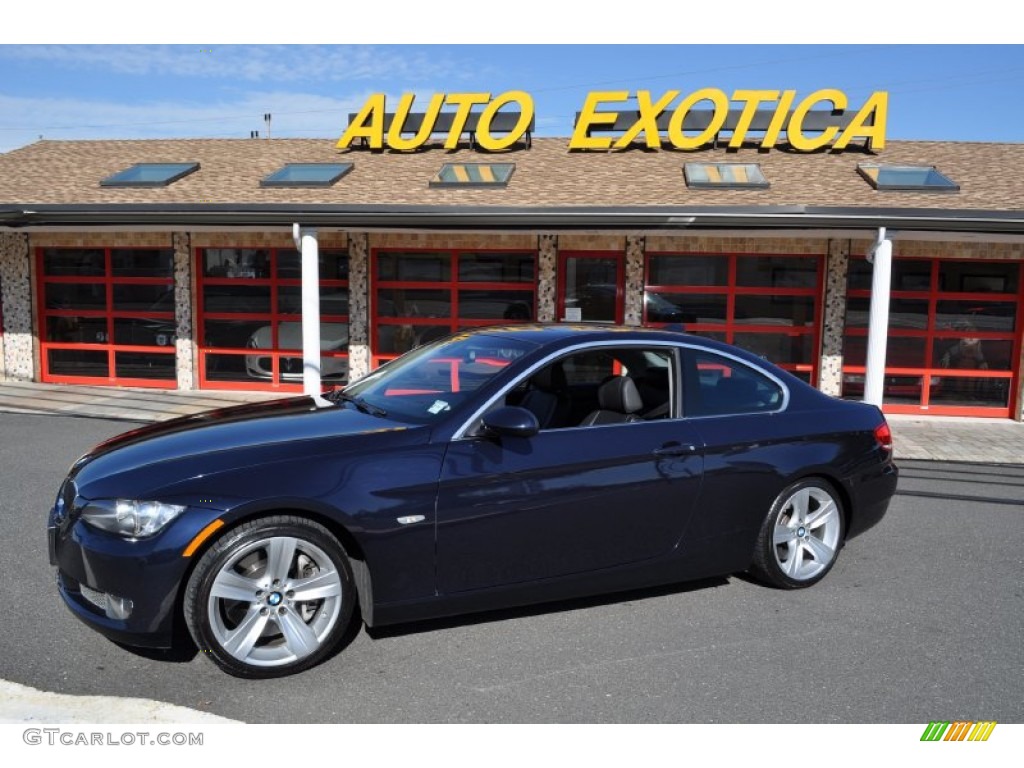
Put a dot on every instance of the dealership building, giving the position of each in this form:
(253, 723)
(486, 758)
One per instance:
(893, 266)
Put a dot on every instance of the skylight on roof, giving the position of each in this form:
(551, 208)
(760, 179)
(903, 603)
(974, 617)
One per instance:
(473, 175)
(150, 175)
(912, 177)
(724, 175)
(307, 175)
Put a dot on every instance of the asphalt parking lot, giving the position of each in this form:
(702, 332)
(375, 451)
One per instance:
(921, 619)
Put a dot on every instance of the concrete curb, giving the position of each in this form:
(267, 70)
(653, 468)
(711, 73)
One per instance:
(22, 704)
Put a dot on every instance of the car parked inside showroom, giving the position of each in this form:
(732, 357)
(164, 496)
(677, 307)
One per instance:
(496, 467)
(333, 339)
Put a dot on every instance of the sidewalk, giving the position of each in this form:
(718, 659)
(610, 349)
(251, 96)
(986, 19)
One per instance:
(936, 438)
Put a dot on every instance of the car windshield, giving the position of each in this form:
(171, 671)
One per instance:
(430, 381)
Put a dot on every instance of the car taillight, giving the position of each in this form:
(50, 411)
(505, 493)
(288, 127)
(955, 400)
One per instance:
(884, 436)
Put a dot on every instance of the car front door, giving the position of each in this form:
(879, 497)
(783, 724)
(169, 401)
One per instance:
(564, 501)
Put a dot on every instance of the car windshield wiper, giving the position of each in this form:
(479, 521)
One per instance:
(339, 396)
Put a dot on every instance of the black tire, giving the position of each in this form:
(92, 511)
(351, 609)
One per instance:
(243, 604)
(801, 537)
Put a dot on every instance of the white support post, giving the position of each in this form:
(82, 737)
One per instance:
(878, 319)
(306, 242)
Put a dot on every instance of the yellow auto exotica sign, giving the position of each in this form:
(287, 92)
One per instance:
(599, 113)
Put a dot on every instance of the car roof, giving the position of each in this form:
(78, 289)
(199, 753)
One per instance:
(546, 334)
(556, 335)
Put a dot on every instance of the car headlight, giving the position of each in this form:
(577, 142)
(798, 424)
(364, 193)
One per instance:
(130, 518)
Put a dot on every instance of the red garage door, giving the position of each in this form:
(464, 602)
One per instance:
(250, 318)
(419, 296)
(768, 304)
(106, 316)
(954, 336)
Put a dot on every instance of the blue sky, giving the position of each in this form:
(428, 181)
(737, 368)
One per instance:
(72, 90)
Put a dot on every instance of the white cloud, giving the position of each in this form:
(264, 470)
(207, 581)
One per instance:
(24, 119)
(275, 63)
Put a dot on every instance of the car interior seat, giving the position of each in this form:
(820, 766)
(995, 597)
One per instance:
(654, 390)
(619, 402)
(548, 397)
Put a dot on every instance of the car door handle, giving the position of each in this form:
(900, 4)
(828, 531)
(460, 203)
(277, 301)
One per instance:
(676, 449)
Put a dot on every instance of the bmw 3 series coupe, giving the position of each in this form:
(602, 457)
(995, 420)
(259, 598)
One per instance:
(496, 467)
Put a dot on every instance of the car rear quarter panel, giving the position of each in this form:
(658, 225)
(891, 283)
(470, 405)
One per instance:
(750, 459)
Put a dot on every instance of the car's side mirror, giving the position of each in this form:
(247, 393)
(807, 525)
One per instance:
(511, 421)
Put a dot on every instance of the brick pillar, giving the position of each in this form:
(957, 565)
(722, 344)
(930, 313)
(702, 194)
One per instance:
(834, 318)
(16, 284)
(184, 345)
(634, 302)
(547, 277)
(358, 305)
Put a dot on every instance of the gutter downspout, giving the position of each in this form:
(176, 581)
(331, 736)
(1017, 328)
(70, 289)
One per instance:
(878, 318)
(307, 245)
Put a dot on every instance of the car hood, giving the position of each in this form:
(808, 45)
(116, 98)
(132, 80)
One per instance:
(289, 336)
(166, 455)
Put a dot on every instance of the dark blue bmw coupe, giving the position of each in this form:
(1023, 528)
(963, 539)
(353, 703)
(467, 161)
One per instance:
(492, 468)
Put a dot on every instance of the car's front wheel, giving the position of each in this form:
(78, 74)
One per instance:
(801, 536)
(271, 597)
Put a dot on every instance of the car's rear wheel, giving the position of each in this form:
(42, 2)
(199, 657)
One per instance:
(270, 598)
(801, 536)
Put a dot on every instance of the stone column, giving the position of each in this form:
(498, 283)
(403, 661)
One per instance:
(16, 285)
(634, 300)
(184, 344)
(358, 305)
(3, 363)
(830, 376)
(547, 277)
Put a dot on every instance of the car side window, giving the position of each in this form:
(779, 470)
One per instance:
(718, 386)
(599, 387)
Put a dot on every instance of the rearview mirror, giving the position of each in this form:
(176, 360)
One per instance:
(511, 421)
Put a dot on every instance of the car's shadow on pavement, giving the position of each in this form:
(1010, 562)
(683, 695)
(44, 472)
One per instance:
(543, 609)
(184, 649)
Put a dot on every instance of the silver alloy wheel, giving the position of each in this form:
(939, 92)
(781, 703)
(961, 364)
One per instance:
(275, 601)
(806, 534)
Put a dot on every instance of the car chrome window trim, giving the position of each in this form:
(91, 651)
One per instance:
(674, 389)
(674, 392)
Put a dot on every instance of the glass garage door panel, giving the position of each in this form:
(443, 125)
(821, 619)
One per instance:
(78, 362)
(76, 295)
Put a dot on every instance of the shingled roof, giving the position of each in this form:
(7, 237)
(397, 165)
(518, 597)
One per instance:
(59, 177)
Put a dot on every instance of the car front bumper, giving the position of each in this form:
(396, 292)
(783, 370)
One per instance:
(126, 590)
